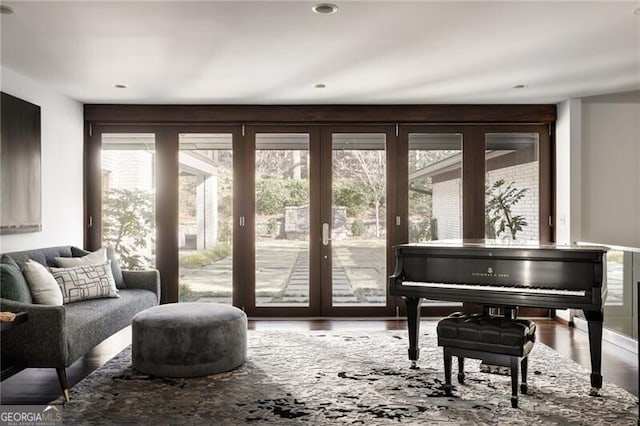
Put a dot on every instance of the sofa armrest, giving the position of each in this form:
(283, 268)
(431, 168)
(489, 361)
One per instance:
(146, 280)
(42, 340)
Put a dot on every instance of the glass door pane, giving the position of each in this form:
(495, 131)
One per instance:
(622, 266)
(282, 219)
(435, 186)
(358, 228)
(435, 190)
(512, 190)
(205, 217)
(128, 197)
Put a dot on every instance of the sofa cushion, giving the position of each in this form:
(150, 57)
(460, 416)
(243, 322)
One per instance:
(85, 282)
(89, 322)
(115, 266)
(98, 257)
(44, 288)
(45, 256)
(13, 285)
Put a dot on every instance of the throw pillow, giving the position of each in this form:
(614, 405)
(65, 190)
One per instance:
(115, 266)
(12, 283)
(44, 288)
(98, 257)
(85, 282)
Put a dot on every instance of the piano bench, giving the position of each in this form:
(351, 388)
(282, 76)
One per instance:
(495, 340)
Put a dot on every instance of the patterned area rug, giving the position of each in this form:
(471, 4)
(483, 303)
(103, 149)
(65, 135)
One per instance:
(345, 377)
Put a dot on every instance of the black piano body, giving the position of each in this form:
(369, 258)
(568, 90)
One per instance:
(496, 274)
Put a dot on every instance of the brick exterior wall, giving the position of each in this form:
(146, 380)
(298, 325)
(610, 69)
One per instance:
(447, 203)
(129, 169)
(447, 208)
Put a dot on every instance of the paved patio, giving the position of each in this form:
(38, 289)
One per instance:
(282, 274)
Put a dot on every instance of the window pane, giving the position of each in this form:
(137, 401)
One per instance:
(282, 220)
(205, 217)
(512, 186)
(128, 197)
(358, 231)
(435, 186)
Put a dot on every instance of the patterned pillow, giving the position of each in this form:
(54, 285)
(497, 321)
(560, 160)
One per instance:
(85, 282)
(111, 255)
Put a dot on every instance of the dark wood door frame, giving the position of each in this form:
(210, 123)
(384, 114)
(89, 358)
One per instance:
(473, 177)
(473, 169)
(248, 232)
(320, 211)
(166, 121)
(319, 114)
(326, 202)
(167, 195)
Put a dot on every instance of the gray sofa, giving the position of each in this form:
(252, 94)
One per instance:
(57, 336)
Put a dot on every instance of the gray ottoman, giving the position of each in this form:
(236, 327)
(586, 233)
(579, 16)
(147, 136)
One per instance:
(189, 339)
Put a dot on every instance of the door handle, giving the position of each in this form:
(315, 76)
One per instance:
(325, 234)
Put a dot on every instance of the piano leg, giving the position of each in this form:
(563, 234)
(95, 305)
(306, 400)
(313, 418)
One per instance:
(594, 319)
(413, 326)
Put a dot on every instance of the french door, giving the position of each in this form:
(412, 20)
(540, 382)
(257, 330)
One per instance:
(475, 182)
(300, 220)
(163, 197)
(356, 209)
(317, 218)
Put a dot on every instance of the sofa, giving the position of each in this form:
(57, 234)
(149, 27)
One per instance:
(55, 336)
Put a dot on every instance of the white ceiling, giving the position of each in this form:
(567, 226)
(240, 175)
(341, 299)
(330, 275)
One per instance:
(369, 52)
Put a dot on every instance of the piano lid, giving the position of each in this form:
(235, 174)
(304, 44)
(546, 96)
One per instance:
(503, 244)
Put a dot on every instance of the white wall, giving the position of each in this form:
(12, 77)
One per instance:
(611, 169)
(568, 218)
(62, 147)
(598, 171)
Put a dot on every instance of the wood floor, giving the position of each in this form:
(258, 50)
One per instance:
(40, 386)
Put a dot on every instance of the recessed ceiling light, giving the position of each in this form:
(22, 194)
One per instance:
(5, 10)
(320, 86)
(120, 86)
(325, 8)
(636, 11)
(520, 86)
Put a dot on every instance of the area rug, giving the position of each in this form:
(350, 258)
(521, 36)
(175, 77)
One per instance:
(345, 377)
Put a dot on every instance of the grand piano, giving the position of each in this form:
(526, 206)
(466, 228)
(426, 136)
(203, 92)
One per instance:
(503, 275)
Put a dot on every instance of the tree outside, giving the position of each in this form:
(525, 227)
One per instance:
(501, 222)
(129, 226)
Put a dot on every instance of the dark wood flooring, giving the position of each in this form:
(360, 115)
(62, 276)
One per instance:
(40, 386)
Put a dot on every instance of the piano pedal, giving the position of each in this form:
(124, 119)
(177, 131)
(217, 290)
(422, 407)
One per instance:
(495, 369)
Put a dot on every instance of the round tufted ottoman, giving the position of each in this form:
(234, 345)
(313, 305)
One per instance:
(189, 339)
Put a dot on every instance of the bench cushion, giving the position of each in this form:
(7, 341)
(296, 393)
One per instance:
(487, 334)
